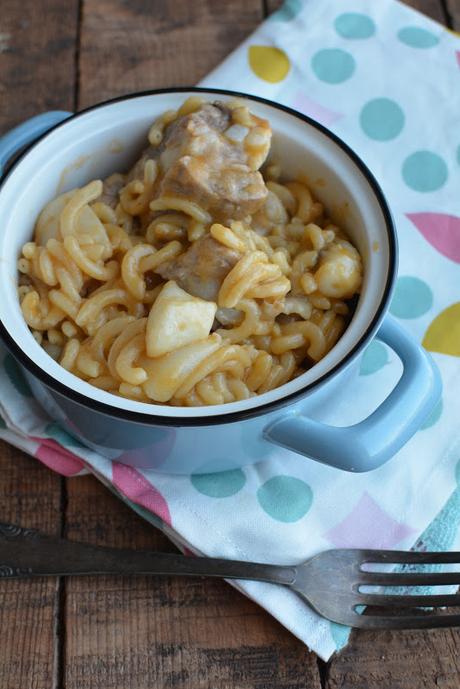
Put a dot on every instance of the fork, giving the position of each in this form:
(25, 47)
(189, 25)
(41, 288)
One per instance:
(330, 582)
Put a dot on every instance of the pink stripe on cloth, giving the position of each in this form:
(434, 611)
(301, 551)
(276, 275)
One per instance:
(57, 458)
(318, 112)
(135, 486)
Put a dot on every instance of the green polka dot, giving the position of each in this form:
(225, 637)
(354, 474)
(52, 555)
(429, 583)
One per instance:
(424, 171)
(220, 485)
(333, 65)
(382, 119)
(415, 37)
(2, 423)
(55, 431)
(288, 11)
(374, 358)
(16, 376)
(433, 417)
(412, 298)
(354, 25)
(285, 498)
(340, 634)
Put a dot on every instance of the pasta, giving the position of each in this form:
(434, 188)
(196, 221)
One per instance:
(194, 278)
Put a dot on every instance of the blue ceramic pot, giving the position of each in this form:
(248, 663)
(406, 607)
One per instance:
(68, 150)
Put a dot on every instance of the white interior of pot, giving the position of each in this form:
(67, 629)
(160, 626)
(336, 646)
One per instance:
(108, 139)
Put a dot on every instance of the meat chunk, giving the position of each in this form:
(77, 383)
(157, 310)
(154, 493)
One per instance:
(178, 136)
(203, 165)
(202, 269)
(271, 214)
(198, 162)
(137, 171)
(231, 192)
(111, 189)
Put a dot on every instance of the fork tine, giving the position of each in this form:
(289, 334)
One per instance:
(409, 557)
(403, 622)
(449, 600)
(408, 578)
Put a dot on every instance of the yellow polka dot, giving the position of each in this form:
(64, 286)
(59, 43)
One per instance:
(443, 334)
(268, 63)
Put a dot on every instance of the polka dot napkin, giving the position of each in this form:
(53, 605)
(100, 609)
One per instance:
(386, 80)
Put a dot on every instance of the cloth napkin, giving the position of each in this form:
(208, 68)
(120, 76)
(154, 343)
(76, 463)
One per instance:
(386, 80)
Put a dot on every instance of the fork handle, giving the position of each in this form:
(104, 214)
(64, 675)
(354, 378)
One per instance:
(27, 553)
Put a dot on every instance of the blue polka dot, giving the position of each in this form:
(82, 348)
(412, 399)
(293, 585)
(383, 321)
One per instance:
(433, 417)
(415, 37)
(220, 485)
(412, 298)
(354, 25)
(382, 119)
(285, 498)
(16, 376)
(424, 171)
(374, 358)
(333, 65)
(288, 11)
(340, 634)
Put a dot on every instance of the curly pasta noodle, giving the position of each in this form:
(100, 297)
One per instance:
(247, 281)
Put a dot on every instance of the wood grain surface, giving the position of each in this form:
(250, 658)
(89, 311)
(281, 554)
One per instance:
(38, 50)
(29, 610)
(139, 633)
(137, 45)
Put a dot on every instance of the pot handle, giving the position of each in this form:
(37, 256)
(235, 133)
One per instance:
(369, 443)
(24, 134)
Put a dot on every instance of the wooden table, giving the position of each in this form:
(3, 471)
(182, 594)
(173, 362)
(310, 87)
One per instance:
(115, 633)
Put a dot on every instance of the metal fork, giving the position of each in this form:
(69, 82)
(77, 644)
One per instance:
(329, 582)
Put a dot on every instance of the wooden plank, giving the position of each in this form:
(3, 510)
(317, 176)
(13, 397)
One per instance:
(139, 633)
(398, 660)
(272, 5)
(432, 8)
(133, 46)
(453, 9)
(37, 58)
(30, 495)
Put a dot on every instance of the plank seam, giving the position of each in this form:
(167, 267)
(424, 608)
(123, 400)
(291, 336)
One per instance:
(447, 15)
(323, 669)
(77, 54)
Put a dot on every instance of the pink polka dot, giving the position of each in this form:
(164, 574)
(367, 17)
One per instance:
(57, 459)
(441, 230)
(135, 486)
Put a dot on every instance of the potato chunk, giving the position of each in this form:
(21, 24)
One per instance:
(167, 373)
(177, 319)
(340, 271)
